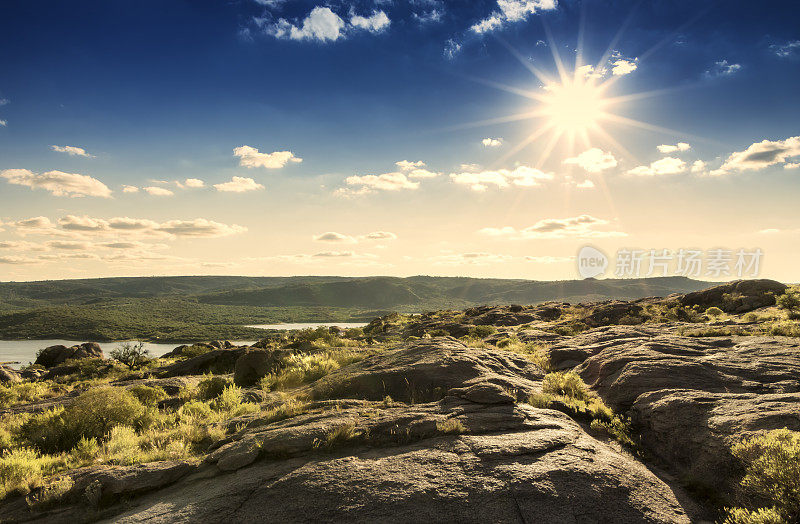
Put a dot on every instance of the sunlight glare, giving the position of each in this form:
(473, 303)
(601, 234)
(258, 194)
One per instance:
(574, 106)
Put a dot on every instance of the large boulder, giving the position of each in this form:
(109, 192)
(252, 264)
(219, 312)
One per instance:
(426, 370)
(251, 367)
(691, 399)
(58, 354)
(613, 312)
(739, 296)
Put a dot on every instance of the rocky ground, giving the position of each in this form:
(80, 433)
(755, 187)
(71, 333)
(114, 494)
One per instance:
(452, 416)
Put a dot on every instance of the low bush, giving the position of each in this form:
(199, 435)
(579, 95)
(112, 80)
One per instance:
(148, 395)
(91, 415)
(23, 469)
(567, 384)
(770, 488)
(304, 368)
(568, 393)
(451, 426)
(714, 312)
(212, 387)
(482, 331)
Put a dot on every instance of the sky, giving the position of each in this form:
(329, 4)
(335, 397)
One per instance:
(396, 137)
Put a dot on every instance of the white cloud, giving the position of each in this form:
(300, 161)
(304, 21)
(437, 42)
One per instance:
(250, 157)
(586, 184)
(194, 182)
(668, 148)
(583, 226)
(769, 231)
(72, 151)
(786, 50)
(239, 184)
(522, 176)
(4, 101)
(588, 71)
(698, 166)
(428, 17)
(386, 182)
(82, 223)
(511, 11)
(34, 223)
(492, 142)
(407, 165)
(157, 191)
(15, 260)
(791, 165)
(380, 235)
(416, 169)
(130, 189)
(593, 160)
(332, 236)
(321, 24)
(86, 225)
(3, 123)
(623, 67)
(722, 68)
(375, 23)
(199, 227)
(665, 166)
(760, 155)
(69, 245)
(58, 182)
(451, 49)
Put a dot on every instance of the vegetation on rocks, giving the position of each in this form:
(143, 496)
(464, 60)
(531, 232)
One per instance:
(489, 381)
(770, 488)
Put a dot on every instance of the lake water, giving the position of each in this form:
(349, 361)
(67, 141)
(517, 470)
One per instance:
(24, 351)
(306, 325)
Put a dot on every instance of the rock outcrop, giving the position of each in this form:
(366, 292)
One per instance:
(690, 398)
(740, 296)
(55, 355)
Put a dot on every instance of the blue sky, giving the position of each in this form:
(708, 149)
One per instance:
(148, 95)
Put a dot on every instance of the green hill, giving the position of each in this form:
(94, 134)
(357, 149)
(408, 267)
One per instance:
(207, 307)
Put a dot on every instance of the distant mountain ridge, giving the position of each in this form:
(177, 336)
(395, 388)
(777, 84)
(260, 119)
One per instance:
(333, 291)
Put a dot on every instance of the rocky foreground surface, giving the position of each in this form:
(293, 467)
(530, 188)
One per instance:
(440, 421)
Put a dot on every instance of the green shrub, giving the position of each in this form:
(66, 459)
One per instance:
(759, 516)
(790, 300)
(23, 469)
(195, 350)
(212, 387)
(568, 393)
(196, 409)
(122, 445)
(451, 426)
(303, 368)
(91, 415)
(714, 312)
(86, 451)
(567, 384)
(482, 331)
(148, 395)
(772, 476)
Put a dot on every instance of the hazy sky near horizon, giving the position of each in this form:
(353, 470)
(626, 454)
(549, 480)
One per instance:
(393, 137)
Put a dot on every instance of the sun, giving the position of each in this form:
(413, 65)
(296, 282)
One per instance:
(574, 106)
